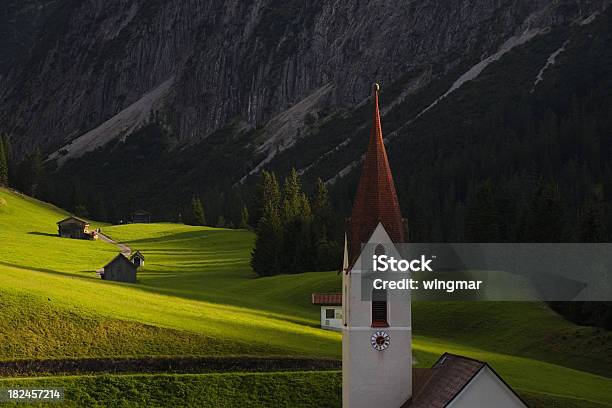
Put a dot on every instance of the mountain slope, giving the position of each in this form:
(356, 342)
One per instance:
(236, 60)
(440, 113)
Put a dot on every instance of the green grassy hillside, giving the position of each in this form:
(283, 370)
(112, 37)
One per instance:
(303, 389)
(293, 389)
(212, 265)
(197, 296)
(59, 275)
(28, 233)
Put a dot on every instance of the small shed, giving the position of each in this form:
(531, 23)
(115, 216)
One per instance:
(141, 217)
(331, 309)
(120, 269)
(137, 259)
(73, 227)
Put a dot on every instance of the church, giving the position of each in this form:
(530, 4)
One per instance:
(377, 332)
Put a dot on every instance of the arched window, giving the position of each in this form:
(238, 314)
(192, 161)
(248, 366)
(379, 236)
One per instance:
(379, 308)
(379, 250)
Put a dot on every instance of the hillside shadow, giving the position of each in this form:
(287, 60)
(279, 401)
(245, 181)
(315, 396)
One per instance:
(195, 265)
(43, 234)
(179, 236)
(50, 271)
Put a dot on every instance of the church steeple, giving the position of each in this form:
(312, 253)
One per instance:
(377, 331)
(376, 199)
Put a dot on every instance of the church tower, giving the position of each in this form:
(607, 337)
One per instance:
(377, 333)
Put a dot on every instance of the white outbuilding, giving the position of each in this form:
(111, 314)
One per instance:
(331, 309)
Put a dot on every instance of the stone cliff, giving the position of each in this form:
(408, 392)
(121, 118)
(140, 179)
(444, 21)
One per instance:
(220, 62)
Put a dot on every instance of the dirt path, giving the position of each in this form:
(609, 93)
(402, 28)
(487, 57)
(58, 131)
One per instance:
(125, 250)
(22, 368)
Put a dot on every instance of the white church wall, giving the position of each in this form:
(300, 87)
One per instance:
(486, 390)
(372, 377)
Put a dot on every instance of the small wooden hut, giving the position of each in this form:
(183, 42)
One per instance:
(73, 227)
(120, 269)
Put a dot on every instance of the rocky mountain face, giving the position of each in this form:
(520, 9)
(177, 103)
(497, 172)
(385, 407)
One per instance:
(266, 64)
(20, 21)
(146, 104)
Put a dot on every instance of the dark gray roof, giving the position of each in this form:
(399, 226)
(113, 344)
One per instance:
(120, 258)
(437, 386)
(80, 220)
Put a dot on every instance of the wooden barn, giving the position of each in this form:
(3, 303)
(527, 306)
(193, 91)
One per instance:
(141, 217)
(73, 227)
(120, 269)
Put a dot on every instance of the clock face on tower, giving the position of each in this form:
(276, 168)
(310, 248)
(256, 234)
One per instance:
(380, 340)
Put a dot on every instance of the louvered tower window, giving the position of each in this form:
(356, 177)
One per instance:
(379, 299)
(379, 308)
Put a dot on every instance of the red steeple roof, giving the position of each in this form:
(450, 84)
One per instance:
(376, 199)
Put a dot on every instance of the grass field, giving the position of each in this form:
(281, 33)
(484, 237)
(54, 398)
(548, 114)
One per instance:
(292, 389)
(298, 389)
(197, 296)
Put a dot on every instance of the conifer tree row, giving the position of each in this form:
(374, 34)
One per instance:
(3, 165)
(197, 212)
(293, 235)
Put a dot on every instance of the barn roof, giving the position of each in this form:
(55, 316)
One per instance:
(439, 385)
(120, 258)
(376, 198)
(327, 299)
(71, 218)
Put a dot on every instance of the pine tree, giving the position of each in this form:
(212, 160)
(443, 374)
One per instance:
(292, 199)
(244, 218)
(256, 203)
(266, 255)
(326, 250)
(10, 164)
(3, 165)
(543, 221)
(81, 211)
(265, 258)
(296, 216)
(321, 206)
(8, 151)
(322, 212)
(30, 173)
(306, 250)
(197, 211)
(592, 222)
(220, 222)
(481, 222)
(267, 189)
(77, 199)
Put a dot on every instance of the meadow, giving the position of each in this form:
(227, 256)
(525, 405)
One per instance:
(197, 295)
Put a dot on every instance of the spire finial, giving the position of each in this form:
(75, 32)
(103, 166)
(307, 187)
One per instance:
(375, 87)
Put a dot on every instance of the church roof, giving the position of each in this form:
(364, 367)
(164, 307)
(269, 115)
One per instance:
(437, 386)
(376, 199)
